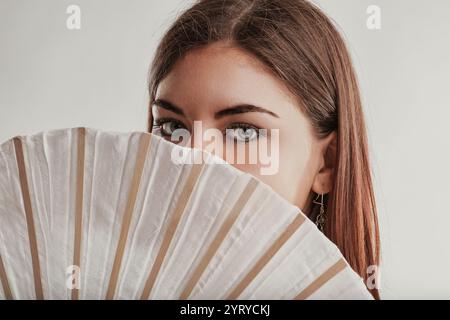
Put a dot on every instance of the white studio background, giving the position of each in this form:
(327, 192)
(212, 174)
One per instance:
(52, 77)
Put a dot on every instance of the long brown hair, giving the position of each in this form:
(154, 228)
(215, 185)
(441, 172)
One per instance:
(303, 48)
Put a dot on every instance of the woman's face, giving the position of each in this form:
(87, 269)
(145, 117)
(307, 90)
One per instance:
(226, 88)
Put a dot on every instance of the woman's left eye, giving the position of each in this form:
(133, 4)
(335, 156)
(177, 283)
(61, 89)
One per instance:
(242, 132)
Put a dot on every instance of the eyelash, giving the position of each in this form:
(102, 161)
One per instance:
(157, 124)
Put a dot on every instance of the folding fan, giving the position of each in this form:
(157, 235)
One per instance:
(88, 214)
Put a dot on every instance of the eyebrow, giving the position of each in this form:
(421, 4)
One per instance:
(237, 109)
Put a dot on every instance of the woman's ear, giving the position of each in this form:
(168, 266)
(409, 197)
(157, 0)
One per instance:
(323, 181)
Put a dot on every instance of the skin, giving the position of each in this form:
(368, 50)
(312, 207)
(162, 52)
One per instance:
(219, 76)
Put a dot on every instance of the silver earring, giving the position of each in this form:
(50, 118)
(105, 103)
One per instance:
(321, 217)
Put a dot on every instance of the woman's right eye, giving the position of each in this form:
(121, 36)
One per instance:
(167, 126)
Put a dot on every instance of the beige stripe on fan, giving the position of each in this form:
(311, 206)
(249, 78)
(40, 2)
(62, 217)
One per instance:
(18, 147)
(4, 281)
(221, 235)
(281, 240)
(176, 217)
(322, 279)
(144, 143)
(79, 203)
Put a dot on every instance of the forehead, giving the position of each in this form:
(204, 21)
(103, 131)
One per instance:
(219, 75)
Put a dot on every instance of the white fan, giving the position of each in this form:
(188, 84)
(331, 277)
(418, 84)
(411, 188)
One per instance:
(87, 214)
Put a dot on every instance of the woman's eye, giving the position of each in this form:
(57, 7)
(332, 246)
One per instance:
(167, 127)
(242, 132)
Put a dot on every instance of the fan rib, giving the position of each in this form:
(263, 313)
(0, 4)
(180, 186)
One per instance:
(79, 203)
(4, 281)
(18, 147)
(322, 279)
(178, 212)
(264, 260)
(144, 143)
(215, 244)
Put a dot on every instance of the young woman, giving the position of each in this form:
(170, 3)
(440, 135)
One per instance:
(245, 65)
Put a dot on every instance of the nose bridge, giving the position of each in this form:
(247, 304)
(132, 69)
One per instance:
(199, 126)
(199, 139)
